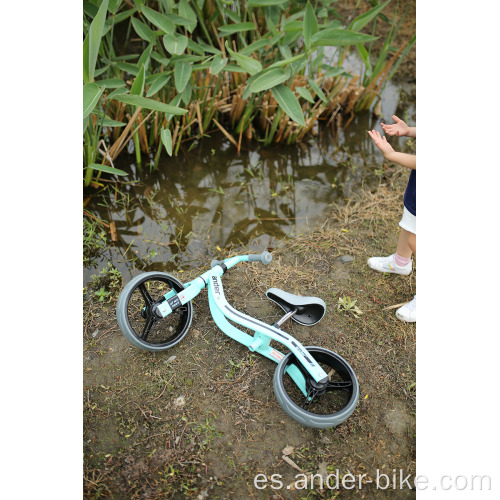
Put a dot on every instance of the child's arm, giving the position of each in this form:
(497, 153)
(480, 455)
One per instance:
(399, 128)
(404, 159)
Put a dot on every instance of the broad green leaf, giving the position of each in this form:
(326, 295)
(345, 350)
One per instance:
(365, 57)
(188, 13)
(265, 3)
(145, 57)
(138, 85)
(303, 92)
(361, 21)
(118, 18)
(285, 51)
(289, 103)
(100, 71)
(159, 58)
(157, 85)
(186, 94)
(201, 66)
(86, 58)
(310, 24)
(381, 61)
(322, 13)
(94, 37)
(114, 5)
(218, 64)
(318, 90)
(340, 38)
(136, 100)
(231, 14)
(89, 9)
(229, 29)
(175, 102)
(106, 121)
(334, 71)
(233, 68)
(159, 20)
(292, 38)
(166, 138)
(120, 91)
(181, 21)
(246, 93)
(111, 83)
(125, 57)
(152, 78)
(175, 44)
(188, 58)
(209, 48)
(259, 44)
(284, 62)
(182, 73)
(294, 27)
(91, 94)
(107, 169)
(195, 47)
(273, 13)
(145, 32)
(133, 69)
(250, 65)
(268, 79)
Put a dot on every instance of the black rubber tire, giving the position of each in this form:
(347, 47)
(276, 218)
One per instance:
(127, 314)
(306, 417)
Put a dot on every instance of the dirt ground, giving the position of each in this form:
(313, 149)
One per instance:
(201, 420)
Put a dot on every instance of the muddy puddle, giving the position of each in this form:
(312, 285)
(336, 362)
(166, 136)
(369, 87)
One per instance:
(210, 198)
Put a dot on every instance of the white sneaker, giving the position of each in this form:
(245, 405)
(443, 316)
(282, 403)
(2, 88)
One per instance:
(408, 312)
(388, 265)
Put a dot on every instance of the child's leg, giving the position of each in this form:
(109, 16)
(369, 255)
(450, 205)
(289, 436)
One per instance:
(399, 262)
(407, 244)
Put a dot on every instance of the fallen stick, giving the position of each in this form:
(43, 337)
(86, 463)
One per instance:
(394, 306)
(289, 461)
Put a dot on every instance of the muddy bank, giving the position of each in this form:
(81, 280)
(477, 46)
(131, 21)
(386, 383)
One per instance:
(202, 419)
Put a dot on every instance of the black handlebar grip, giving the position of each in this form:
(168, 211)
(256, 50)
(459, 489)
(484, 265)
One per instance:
(264, 257)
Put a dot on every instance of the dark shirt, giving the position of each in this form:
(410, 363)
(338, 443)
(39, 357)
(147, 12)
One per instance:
(410, 199)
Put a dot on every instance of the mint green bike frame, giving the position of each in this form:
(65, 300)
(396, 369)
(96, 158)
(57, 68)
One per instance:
(222, 311)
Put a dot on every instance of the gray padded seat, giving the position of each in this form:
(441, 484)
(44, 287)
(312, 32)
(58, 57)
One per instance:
(309, 309)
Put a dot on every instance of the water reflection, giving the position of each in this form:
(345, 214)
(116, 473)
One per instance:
(211, 196)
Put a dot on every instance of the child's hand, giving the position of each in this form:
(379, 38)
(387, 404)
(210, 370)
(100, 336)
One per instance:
(399, 128)
(380, 142)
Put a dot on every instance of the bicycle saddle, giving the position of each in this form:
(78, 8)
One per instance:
(309, 309)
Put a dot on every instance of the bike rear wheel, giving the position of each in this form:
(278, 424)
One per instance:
(321, 408)
(137, 319)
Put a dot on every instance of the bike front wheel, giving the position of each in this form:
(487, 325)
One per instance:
(321, 408)
(137, 319)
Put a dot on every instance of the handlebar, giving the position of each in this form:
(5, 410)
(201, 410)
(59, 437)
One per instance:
(264, 257)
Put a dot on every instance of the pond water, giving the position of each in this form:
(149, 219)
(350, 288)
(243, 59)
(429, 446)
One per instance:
(202, 202)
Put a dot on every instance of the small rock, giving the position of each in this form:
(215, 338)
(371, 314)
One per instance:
(346, 258)
(288, 450)
(95, 333)
(322, 470)
(169, 360)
